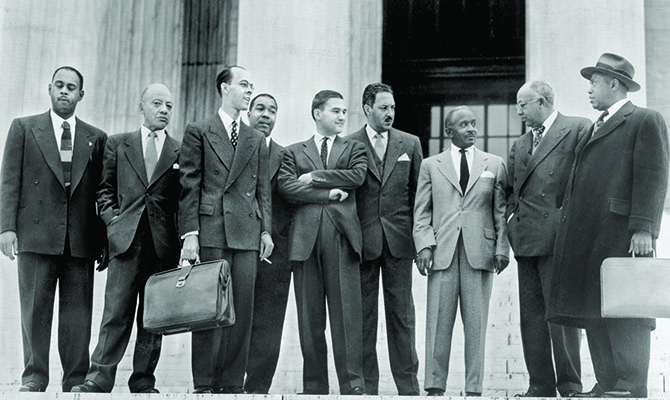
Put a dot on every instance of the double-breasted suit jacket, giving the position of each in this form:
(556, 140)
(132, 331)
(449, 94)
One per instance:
(35, 202)
(125, 193)
(225, 192)
(536, 185)
(59, 235)
(443, 212)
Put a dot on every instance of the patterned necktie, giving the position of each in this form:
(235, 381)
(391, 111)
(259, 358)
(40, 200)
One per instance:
(465, 172)
(324, 152)
(600, 121)
(66, 152)
(379, 147)
(537, 133)
(233, 134)
(151, 155)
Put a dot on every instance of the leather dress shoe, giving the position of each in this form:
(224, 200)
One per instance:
(231, 390)
(620, 394)
(536, 392)
(435, 392)
(31, 387)
(203, 390)
(313, 392)
(355, 391)
(589, 394)
(147, 389)
(569, 393)
(473, 394)
(87, 387)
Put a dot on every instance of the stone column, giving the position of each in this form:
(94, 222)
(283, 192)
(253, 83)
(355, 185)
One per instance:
(294, 49)
(564, 36)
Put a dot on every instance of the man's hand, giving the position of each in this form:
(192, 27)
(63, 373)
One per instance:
(640, 243)
(190, 250)
(500, 264)
(306, 178)
(424, 261)
(266, 246)
(337, 194)
(9, 244)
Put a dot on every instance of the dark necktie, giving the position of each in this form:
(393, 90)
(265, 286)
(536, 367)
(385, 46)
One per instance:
(324, 152)
(233, 134)
(66, 152)
(465, 172)
(151, 155)
(600, 121)
(537, 133)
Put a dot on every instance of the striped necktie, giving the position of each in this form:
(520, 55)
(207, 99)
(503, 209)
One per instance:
(66, 152)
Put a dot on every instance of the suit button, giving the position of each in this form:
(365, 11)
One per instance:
(39, 201)
(546, 215)
(517, 219)
(226, 192)
(551, 173)
(248, 194)
(251, 214)
(36, 181)
(458, 228)
(521, 198)
(542, 194)
(253, 175)
(139, 213)
(563, 219)
(36, 220)
(216, 171)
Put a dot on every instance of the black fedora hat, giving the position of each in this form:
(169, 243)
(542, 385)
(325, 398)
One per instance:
(616, 67)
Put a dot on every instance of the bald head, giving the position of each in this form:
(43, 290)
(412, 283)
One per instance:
(156, 106)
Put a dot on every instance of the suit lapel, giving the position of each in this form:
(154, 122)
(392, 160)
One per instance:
(135, 157)
(218, 139)
(81, 154)
(554, 136)
(310, 150)
(167, 158)
(46, 141)
(336, 152)
(613, 122)
(478, 166)
(393, 151)
(245, 148)
(446, 167)
(372, 165)
(275, 158)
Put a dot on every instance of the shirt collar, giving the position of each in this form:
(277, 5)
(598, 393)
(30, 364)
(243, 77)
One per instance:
(614, 108)
(371, 133)
(549, 121)
(228, 120)
(57, 121)
(457, 150)
(145, 131)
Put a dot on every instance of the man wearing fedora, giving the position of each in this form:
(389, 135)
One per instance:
(612, 208)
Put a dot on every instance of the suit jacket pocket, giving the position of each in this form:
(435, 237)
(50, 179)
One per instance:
(620, 207)
(614, 233)
(206, 209)
(489, 234)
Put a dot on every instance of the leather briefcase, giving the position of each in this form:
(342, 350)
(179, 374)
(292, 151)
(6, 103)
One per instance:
(191, 298)
(635, 287)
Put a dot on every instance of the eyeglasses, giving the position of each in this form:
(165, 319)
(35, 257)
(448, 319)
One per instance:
(522, 106)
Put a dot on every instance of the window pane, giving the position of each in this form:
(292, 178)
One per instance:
(498, 146)
(434, 146)
(515, 129)
(435, 122)
(497, 120)
(478, 110)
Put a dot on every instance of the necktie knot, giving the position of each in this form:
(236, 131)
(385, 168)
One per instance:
(537, 133)
(465, 171)
(601, 120)
(65, 125)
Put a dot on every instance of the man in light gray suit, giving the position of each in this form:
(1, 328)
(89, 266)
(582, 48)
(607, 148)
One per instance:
(461, 241)
(539, 165)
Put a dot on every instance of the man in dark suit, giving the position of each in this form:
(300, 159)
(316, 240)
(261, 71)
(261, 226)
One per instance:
(459, 229)
(538, 168)
(385, 205)
(138, 200)
(50, 173)
(319, 175)
(273, 277)
(613, 208)
(224, 213)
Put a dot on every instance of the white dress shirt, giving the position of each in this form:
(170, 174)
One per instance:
(160, 140)
(57, 122)
(614, 108)
(371, 135)
(318, 139)
(456, 158)
(228, 122)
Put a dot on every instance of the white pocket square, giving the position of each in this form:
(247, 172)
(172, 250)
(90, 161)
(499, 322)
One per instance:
(175, 166)
(403, 157)
(487, 174)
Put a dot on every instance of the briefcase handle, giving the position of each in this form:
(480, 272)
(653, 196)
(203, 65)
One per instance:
(653, 253)
(186, 268)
